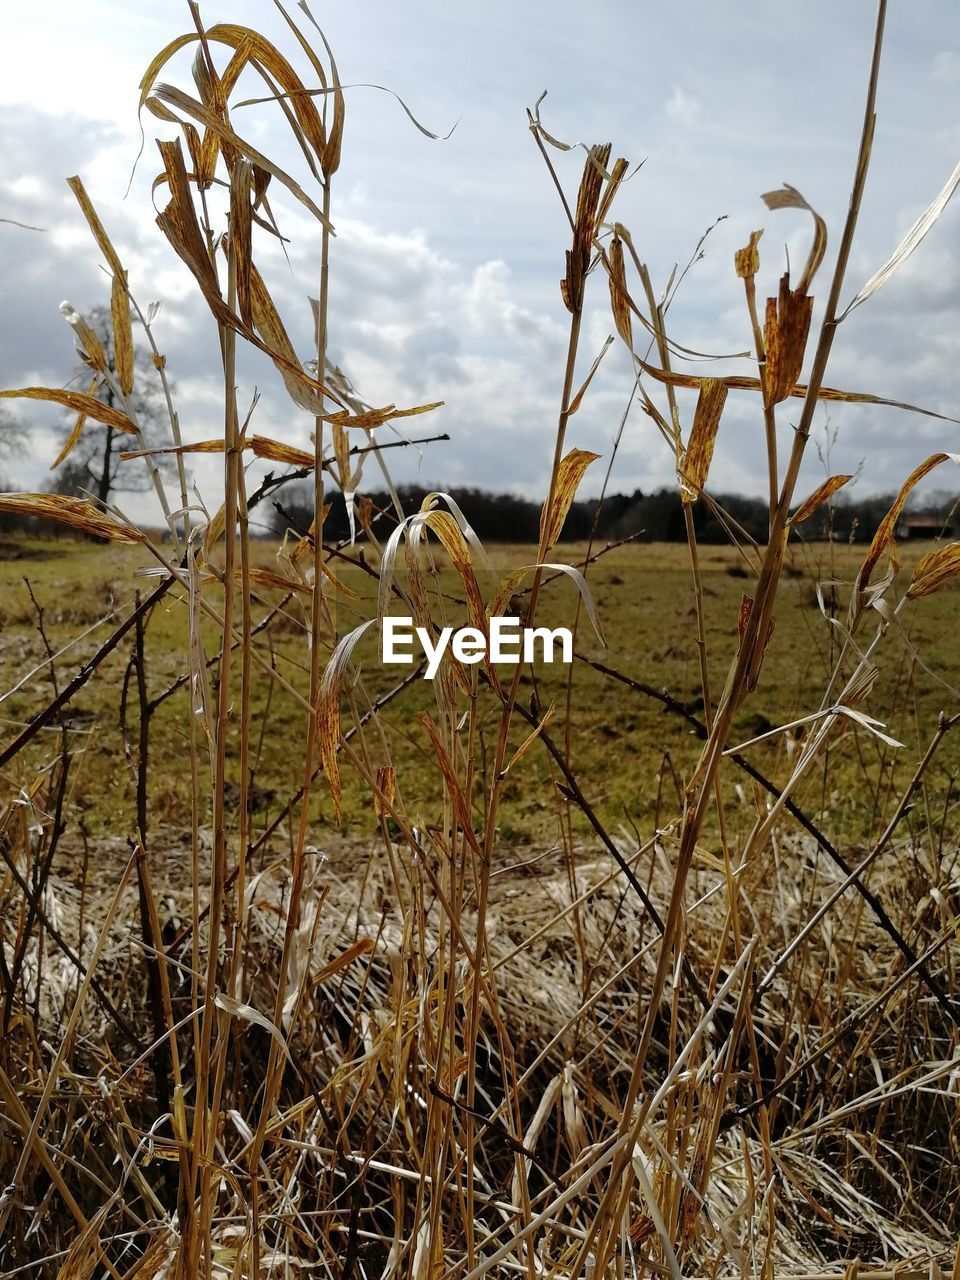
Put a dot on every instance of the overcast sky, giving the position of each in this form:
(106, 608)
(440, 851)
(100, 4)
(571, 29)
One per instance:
(448, 254)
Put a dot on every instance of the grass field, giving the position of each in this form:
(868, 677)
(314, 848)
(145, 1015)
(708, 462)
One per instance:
(641, 967)
(630, 751)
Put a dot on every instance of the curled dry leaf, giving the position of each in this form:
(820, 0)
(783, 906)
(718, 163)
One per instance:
(884, 538)
(370, 418)
(618, 172)
(508, 587)
(448, 531)
(341, 451)
(747, 259)
(178, 221)
(935, 570)
(788, 197)
(89, 346)
(246, 1012)
(170, 94)
(584, 227)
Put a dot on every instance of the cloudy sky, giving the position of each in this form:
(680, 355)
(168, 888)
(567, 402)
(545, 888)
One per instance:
(448, 254)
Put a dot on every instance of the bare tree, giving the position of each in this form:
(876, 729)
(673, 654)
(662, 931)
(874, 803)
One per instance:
(94, 464)
(13, 436)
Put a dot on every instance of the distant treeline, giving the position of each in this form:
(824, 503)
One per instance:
(653, 517)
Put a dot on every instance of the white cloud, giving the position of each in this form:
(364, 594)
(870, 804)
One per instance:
(682, 108)
(447, 258)
(946, 67)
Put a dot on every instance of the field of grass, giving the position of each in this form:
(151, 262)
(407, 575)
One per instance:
(641, 967)
(632, 753)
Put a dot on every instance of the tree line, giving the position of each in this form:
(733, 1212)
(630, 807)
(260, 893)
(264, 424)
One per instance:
(92, 469)
(651, 517)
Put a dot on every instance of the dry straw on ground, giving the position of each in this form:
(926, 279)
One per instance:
(721, 1047)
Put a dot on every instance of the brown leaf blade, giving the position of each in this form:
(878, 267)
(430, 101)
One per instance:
(76, 513)
(96, 226)
(935, 570)
(80, 402)
(884, 535)
(747, 259)
(569, 474)
(788, 197)
(276, 451)
(74, 436)
(122, 333)
(619, 294)
(703, 435)
(819, 496)
(786, 328)
(386, 790)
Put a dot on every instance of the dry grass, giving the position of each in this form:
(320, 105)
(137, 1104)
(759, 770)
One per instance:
(702, 1035)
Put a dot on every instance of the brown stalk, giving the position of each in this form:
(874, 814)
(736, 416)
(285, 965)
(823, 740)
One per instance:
(701, 789)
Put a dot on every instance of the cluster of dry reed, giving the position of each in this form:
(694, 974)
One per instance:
(717, 1048)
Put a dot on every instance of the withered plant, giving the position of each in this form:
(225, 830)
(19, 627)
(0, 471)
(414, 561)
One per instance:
(722, 1046)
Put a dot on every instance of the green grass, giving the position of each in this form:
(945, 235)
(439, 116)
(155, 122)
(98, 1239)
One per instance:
(630, 754)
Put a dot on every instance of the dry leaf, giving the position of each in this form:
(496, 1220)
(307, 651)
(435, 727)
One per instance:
(79, 401)
(935, 570)
(747, 259)
(386, 789)
(75, 434)
(703, 434)
(122, 333)
(788, 197)
(328, 710)
(88, 341)
(77, 513)
(569, 474)
(619, 295)
(907, 245)
(884, 535)
(785, 332)
(818, 497)
(96, 226)
(584, 228)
